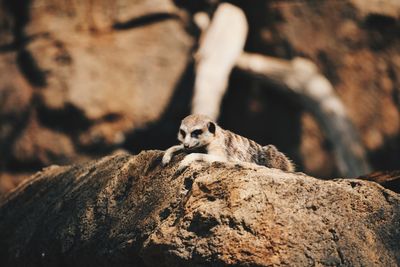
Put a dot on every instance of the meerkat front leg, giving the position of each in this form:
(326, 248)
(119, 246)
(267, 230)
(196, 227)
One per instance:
(169, 153)
(199, 157)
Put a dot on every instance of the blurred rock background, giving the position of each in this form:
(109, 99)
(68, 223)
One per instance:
(80, 79)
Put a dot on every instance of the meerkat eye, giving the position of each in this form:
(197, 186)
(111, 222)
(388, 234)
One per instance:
(182, 132)
(196, 133)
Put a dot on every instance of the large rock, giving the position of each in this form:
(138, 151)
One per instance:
(126, 210)
(15, 103)
(99, 71)
(110, 61)
(77, 78)
(92, 76)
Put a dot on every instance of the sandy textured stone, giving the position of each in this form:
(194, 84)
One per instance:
(126, 210)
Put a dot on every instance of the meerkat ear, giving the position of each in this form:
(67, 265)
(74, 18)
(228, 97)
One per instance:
(211, 127)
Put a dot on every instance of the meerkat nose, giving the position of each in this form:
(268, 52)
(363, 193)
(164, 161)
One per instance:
(186, 145)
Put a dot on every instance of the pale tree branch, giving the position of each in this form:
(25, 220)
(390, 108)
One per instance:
(220, 46)
(317, 95)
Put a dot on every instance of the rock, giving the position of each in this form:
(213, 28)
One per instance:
(123, 69)
(15, 100)
(77, 78)
(390, 8)
(42, 146)
(125, 210)
(103, 75)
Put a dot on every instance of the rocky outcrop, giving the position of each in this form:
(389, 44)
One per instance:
(80, 79)
(126, 210)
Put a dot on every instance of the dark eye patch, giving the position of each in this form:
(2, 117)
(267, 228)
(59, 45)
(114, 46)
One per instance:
(196, 133)
(182, 132)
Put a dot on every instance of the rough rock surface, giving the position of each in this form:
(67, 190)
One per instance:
(126, 210)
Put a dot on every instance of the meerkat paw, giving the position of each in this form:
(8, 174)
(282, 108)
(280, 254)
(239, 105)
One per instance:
(200, 157)
(189, 159)
(181, 168)
(249, 165)
(184, 164)
(169, 153)
(166, 159)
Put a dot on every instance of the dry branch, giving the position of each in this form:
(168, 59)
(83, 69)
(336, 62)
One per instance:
(220, 46)
(301, 76)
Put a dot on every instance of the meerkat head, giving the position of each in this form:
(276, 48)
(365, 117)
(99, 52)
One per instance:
(196, 131)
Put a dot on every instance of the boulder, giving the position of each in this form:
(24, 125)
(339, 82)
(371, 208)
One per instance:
(78, 79)
(125, 210)
(101, 75)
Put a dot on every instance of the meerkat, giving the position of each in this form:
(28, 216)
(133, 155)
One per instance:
(206, 141)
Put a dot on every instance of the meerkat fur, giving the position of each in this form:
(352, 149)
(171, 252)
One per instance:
(198, 133)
